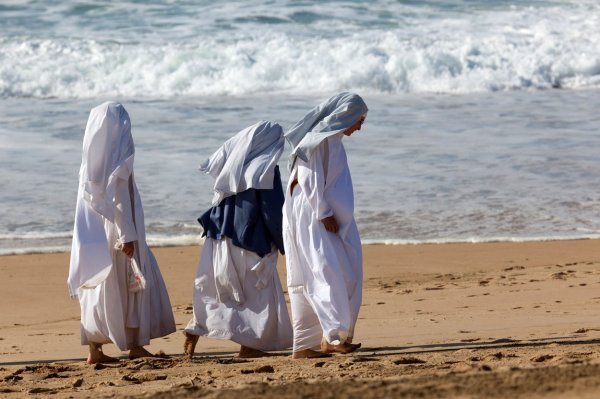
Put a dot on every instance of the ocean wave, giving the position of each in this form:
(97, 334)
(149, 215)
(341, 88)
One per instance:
(481, 240)
(529, 54)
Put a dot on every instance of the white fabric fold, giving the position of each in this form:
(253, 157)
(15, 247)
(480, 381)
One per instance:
(247, 160)
(229, 274)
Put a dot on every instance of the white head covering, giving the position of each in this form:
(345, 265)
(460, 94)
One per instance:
(108, 153)
(331, 117)
(247, 160)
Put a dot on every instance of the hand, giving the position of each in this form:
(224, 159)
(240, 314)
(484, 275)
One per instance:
(330, 224)
(127, 248)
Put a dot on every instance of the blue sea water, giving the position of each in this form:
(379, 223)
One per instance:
(483, 121)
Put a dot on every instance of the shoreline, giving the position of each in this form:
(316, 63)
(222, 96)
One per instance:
(446, 305)
(367, 242)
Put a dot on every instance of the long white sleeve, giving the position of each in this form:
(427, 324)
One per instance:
(312, 176)
(124, 219)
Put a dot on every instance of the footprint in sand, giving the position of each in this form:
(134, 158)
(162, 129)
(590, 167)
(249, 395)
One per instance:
(439, 287)
(518, 267)
(559, 276)
(470, 340)
(408, 360)
(542, 358)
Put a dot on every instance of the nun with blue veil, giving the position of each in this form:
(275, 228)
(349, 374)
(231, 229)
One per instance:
(113, 273)
(237, 292)
(322, 243)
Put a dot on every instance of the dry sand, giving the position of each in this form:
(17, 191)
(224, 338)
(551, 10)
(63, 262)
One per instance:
(512, 320)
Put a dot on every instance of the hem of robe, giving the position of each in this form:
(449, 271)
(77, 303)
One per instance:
(194, 328)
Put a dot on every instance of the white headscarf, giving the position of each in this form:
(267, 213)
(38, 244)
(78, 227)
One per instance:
(108, 153)
(331, 117)
(247, 160)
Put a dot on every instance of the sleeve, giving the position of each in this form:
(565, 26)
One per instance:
(124, 219)
(271, 208)
(312, 176)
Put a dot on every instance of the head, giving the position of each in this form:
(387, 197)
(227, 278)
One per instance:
(356, 126)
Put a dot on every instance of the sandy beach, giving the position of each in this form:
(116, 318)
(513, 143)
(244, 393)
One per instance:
(451, 320)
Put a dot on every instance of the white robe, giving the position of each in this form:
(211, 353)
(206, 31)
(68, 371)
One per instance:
(109, 313)
(238, 296)
(324, 269)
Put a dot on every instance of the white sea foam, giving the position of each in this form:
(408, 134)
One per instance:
(480, 240)
(175, 241)
(490, 50)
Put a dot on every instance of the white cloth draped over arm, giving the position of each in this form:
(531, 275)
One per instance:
(124, 219)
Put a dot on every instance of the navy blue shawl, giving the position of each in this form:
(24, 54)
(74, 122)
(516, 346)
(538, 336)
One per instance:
(251, 219)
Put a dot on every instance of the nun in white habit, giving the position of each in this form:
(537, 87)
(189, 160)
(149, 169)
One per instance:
(237, 292)
(108, 238)
(322, 244)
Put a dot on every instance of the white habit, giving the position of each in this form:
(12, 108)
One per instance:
(324, 269)
(109, 210)
(237, 293)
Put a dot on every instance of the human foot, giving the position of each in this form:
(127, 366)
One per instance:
(248, 353)
(189, 345)
(97, 356)
(138, 352)
(346, 347)
(309, 354)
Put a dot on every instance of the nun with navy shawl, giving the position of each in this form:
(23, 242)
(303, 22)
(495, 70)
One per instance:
(237, 292)
(322, 243)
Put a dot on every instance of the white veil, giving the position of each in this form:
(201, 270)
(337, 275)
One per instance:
(247, 160)
(331, 117)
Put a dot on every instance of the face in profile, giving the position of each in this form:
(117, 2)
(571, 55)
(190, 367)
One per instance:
(355, 127)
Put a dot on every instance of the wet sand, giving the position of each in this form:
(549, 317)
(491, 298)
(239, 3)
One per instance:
(447, 320)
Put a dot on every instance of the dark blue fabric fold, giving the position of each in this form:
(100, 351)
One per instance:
(251, 219)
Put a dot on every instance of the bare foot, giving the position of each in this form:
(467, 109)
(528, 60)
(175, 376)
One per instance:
(309, 354)
(189, 345)
(248, 353)
(97, 356)
(138, 352)
(346, 347)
